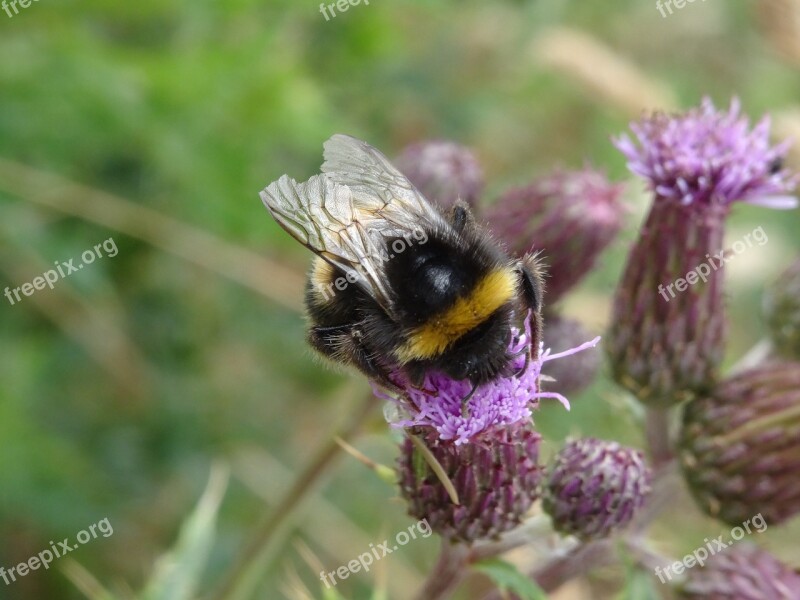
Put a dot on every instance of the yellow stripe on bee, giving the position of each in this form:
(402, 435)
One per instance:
(433, 338)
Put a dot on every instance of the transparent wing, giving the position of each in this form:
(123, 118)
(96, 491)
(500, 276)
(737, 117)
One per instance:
(323, 215)
(378, 187)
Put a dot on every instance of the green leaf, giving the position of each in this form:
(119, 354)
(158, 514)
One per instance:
(85, 581)
(638, 586)
(331, 594)
(177, 574)
(508, 578)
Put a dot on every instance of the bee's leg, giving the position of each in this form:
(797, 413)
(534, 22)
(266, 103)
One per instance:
(344, 343)
(530, 272)
(366, 363)
(416, 377)
(461, 216)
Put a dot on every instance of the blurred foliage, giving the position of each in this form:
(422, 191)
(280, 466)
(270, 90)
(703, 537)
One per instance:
(189, 108)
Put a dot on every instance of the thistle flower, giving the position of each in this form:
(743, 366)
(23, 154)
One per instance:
(570, 216)
(740, 445)
(496, 478)
(595, 487)
(443, 171)
(572, 373)
(782, 307)
(667, 332)
(438, 402)
(744, 572)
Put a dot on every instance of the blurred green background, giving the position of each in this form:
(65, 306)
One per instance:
(157, 123)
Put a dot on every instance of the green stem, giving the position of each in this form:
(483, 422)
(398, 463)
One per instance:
(323, 458)
(657, 432)
(450, 569)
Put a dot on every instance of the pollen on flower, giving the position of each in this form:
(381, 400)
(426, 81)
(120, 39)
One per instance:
(706, 156)
(438, 402)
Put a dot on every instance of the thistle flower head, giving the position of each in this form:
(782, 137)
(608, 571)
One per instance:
(443, 171)
(668, 333)
(744, 572)
(709, 157)
(740, 445)
(568, 216)
(496, 479)
(438, 402)
(595, 487)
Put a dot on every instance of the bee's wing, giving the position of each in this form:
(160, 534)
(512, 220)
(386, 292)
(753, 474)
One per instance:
(378, 187)
(347, 214)
(322, 215)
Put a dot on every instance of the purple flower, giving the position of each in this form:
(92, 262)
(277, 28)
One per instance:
(710, 157)
(438, 402)
(666, 347)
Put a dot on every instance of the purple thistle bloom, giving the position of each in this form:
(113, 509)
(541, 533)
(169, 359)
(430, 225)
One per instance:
(504, 401)
(710, 157)
(667, 333)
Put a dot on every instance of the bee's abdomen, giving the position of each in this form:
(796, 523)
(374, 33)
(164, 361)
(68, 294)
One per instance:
(460, 317)
(328, 303)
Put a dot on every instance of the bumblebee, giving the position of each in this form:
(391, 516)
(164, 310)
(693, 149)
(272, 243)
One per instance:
(398, 285)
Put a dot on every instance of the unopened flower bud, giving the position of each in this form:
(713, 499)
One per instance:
(744, 572)
(595, 487)
(569, 216)
(782, 307)
(443, 171)
(740, 445)
(495, 477)
(572, 373)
